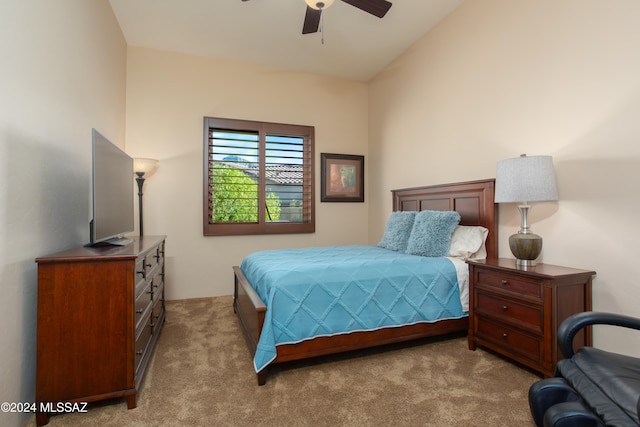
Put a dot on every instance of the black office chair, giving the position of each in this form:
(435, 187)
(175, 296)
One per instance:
(591, 387)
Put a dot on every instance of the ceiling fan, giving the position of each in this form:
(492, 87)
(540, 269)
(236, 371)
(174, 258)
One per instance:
(311, 24)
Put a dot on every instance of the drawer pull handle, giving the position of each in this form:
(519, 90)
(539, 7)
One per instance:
(140, 272)
(504, 282)
(139, 311)
(139, 353)
(505, 335)
(149, 265)
(504, 308)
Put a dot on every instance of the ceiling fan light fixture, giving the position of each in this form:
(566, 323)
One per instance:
(319, 5)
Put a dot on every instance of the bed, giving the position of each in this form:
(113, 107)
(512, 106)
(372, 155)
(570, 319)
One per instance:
(474, 203)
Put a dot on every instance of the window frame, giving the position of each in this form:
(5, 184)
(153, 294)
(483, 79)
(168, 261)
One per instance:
(261, 226)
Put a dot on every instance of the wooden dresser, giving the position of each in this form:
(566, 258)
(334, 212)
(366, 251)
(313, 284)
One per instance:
(100, 312)
(517, 313)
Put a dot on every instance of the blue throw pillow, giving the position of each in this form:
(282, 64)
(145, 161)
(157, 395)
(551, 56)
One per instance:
(397, 231)
(431, 233)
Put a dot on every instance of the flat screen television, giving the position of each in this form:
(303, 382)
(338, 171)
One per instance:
(112, 193)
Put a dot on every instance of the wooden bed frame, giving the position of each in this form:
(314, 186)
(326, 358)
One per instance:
(472, 200)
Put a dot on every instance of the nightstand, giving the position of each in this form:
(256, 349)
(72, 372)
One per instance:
(516, 312)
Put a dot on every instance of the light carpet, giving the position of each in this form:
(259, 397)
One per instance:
(202, 375)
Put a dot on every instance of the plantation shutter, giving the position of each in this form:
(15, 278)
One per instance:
(233, 176)
(258, 178)
(288, 176)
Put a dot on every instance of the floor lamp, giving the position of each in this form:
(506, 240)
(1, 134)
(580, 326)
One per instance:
(143, 168)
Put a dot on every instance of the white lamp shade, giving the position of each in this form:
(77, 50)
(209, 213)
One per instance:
(313, 4)
(146, 166)
(525, 179)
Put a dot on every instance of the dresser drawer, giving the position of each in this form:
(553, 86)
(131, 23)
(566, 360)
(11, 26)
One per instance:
(157, 289)
(157, 317)
(141, 276)
(153, 271)
(143, 307)
(151, 260)
(143, 290)
(510, 283)
(143, 340)
(525, 316)
(508, 338)
(160, 254)
(145, 265)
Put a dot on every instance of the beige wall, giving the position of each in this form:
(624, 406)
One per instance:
(168, 95)
(62, 72)
(498, 78)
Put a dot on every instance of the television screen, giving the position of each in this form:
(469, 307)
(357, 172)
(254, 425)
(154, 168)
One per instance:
(113, 194)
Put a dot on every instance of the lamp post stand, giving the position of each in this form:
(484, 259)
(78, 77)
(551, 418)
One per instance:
(140, 181)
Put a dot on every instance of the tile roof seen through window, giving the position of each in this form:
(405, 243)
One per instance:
(277, 174)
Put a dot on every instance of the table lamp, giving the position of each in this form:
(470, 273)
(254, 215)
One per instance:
(522, 180)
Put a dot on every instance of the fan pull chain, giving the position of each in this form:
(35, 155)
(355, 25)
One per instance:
(322, 28)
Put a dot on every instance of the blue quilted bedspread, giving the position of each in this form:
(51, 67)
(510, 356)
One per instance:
(334, 290)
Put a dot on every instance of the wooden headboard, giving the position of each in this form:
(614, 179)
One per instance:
(473, 200)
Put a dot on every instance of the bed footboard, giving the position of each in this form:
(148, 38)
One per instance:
(250, 310)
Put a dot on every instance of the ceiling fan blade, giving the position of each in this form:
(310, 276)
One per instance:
(311, 20)
(377, 8)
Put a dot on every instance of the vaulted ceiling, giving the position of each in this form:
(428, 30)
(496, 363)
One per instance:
(356, 45)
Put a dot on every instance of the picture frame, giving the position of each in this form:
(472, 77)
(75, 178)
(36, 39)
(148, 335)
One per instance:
(342, 178)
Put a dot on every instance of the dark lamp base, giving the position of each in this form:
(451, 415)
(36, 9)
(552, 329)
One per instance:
(526, 248)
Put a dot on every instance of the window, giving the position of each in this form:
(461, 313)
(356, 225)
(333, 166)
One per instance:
(258, 178)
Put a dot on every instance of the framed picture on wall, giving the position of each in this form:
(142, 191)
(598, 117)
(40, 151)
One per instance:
(342, 177)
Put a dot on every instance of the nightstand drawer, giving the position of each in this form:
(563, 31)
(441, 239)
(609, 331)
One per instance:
(509, 339)
(506, 310)
(510, 283)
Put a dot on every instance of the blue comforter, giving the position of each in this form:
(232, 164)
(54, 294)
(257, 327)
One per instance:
(333, 290)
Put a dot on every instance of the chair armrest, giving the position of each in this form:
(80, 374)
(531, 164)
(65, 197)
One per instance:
(573, 324)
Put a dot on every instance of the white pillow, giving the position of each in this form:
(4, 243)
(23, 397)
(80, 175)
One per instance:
(468, 242)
